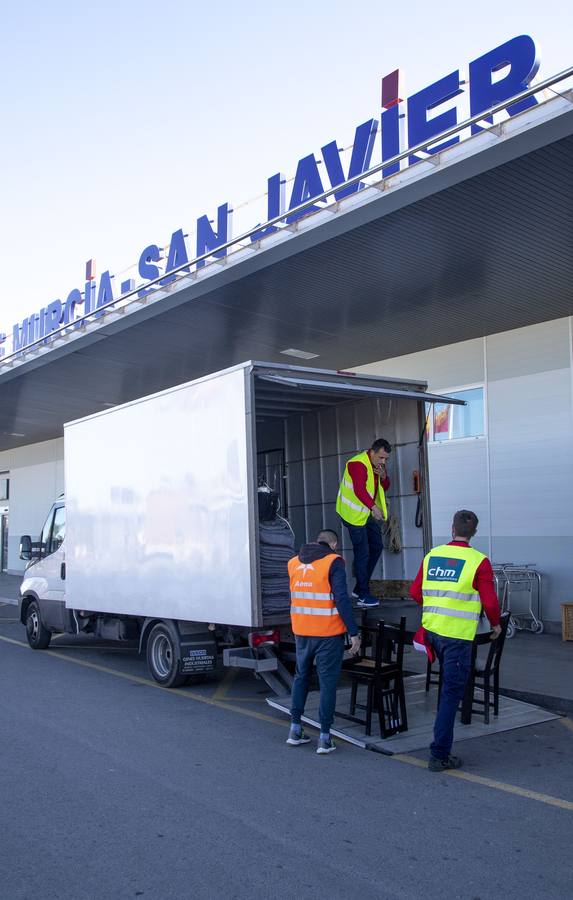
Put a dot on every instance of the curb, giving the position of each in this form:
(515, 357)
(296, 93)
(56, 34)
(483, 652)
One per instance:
(547, 701)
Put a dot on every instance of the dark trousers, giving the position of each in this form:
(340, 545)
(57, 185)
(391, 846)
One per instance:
(367, 546)
(327, 653)
(455, 661)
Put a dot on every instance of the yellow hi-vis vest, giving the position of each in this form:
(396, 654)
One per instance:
(313, 611)
(348, 506)
(450, 604)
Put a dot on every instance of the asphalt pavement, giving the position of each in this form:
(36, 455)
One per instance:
(112, 787)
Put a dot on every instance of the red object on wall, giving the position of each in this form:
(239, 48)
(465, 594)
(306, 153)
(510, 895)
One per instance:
(442, 419)
(392, 89)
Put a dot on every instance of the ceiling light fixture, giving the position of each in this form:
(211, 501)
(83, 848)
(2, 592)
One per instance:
(300, 354)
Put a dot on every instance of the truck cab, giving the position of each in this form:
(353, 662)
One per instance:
(43, 608)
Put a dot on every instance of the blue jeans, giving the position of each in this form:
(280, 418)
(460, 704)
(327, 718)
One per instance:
(455, 661)
(327, 653)
(367, 546)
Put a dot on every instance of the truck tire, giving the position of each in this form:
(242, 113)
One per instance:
(38, 635)
(163, 656)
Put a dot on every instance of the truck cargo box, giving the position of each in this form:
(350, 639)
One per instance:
(161, 493)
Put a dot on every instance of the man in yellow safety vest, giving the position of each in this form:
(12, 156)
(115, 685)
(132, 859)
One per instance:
(361, 504)
(321, 614)
(454, 584)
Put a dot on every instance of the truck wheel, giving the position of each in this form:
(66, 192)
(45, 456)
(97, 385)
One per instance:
(163, 657)
(38, 636)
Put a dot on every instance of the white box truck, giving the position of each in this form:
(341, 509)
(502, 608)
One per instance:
(158, 536)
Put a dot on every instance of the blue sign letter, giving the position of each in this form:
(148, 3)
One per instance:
(53, 316)
(392, 137)
(307, 184)
(150, 255)
(21, 334)
(275, 204)
(74, 297)
(105, 291)
(177, 255)
(521, 57)
(359, 161)
(207, 239)
(419, 127)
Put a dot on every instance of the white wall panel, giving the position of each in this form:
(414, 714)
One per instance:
(531, 441)
(442, 368)
(36, 475)
(458, 480)
(525, 351)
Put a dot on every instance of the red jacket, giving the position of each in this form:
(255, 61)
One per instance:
(483, 584)
(359, 474)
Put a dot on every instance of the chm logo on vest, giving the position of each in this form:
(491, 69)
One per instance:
(442, 569)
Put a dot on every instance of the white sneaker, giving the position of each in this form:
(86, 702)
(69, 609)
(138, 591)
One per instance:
(325, 745)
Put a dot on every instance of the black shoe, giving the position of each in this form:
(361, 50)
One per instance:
(440, 765)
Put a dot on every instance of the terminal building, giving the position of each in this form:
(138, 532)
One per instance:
(445, 260)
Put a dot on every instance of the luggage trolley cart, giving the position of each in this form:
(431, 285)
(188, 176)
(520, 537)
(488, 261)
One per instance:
(519, 593)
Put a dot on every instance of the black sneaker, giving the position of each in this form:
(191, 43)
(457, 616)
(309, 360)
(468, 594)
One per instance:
(440, 765)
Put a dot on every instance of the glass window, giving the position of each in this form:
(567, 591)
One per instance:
(450, 422)
(45, 537)
(54, 531)
(59, 529)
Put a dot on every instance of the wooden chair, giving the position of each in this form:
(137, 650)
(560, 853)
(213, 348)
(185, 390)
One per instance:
(485, 676)
(382, 675)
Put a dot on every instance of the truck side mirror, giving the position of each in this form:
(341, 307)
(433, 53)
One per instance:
(25, 547)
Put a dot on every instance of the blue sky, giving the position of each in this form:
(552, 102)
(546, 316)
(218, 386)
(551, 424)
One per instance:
(127, 120)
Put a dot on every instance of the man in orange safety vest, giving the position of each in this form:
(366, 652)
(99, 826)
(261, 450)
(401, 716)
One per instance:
(321, 614)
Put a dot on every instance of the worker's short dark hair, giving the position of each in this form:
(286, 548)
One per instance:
(327, 535)
(465, 523)
(381, 444)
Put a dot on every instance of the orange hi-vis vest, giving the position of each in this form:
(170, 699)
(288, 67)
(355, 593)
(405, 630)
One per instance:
(313, 611)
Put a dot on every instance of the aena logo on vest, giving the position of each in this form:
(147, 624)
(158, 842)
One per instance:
(305, 569)
(442, 569)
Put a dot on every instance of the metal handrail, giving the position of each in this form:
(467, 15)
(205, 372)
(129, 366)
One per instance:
(411, 151)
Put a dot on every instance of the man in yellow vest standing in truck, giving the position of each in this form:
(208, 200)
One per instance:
(321, 614)
(453, 585)
(361, 504)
